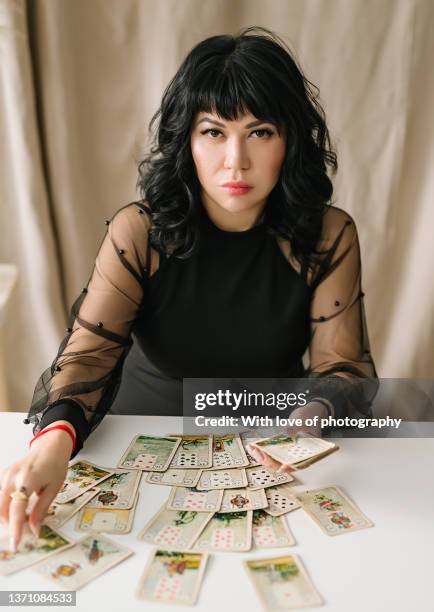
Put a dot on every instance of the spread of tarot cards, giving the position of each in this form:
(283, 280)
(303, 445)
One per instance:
(220, 500)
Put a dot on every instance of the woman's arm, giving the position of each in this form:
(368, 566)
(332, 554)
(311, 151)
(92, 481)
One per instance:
(81, 383)
(83, 379)
(344, 379)
(339, 350)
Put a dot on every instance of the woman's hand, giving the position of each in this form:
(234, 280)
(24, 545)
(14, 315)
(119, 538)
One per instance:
(303, 413)
(42, 471)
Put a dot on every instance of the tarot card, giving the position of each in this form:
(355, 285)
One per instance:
(174, 478)
(228, 452)
(270, 531)
(333, 511)
(106, 520)
(172, 577)
(149, 453)
(262, 477)
(281, 499)
(247, 437)
(194, 452)
(282, 583)
(59, 514)
(226, 532)
(235, 500)
(88, 558)
(80, 477)
(182, 498)
(222, 479)
(117, 491)
(174, 529)
(298, 453)
(30, 549)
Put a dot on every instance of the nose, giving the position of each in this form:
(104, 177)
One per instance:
(236, 154)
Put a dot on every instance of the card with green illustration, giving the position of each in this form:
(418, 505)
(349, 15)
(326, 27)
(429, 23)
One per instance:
(80, 477)
(88, 558)
(174, 529)
(149, 453)
(172, 577)
(58, 514)
(31, 549)
(270, 531)
(333, 511)
(194, 452)
(226, 532)
(117, 491)
(282, 583)
(228, 452)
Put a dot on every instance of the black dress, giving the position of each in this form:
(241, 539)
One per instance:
(237, 308)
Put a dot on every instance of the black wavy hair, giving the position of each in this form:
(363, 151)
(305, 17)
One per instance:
(254, 72)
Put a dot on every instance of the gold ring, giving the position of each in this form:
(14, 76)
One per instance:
(20, 494)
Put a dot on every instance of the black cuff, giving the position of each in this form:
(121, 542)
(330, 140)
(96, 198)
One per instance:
(71, 411)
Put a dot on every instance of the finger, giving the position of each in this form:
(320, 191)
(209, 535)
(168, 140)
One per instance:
(256, 453)
(271, 463)
(265, 459)
(40, 508)
(26, 482)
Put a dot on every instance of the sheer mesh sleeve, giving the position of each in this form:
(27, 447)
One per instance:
(339, 350)
(83, 379)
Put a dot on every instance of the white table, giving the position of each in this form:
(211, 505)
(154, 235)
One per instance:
(387, 567)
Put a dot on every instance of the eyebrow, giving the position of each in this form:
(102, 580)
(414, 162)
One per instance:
(249, 125)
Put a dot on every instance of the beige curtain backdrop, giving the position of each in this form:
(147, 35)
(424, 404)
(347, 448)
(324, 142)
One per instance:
(79, 82)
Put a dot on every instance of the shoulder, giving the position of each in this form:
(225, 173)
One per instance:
(128, 231)
(338, 243)
(338, 227)
(132, 215)
(334, 220)
(130, 224)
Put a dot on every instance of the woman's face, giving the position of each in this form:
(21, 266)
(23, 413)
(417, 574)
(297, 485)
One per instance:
(245, 150)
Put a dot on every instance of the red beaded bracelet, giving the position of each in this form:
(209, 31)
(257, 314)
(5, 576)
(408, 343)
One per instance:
(64, 427)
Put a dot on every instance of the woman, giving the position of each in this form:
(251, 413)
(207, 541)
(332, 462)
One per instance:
(231, 264)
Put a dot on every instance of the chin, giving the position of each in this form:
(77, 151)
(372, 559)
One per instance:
(236, 204)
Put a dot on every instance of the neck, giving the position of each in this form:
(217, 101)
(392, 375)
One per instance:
(233, 221)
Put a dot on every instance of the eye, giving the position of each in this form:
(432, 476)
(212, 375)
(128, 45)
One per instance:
(264, 131)
(211, 130)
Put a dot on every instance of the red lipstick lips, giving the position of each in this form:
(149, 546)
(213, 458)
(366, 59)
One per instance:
(236, 187)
